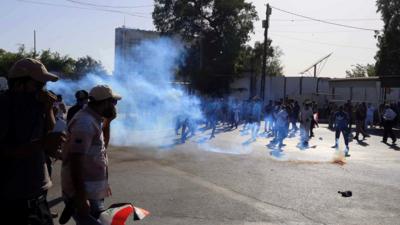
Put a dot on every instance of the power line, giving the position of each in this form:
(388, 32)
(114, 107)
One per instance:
(323, 43)
(79, 7)
(109, 6)
(306, 20)
(324, 21)
(316, 32)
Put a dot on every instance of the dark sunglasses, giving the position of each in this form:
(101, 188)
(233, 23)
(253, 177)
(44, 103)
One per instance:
(114, 101)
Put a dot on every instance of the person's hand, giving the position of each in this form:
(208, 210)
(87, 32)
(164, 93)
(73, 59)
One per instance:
(109, 193)
(52, 142)
(47, 99)
(82, 207)
(107, 121)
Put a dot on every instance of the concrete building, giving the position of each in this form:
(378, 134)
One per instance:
(125, 41)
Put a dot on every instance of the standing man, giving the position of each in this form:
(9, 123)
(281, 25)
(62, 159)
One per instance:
(255, 118)
(306, 116)
(342, 126)
(389, 118)
(84, 172)
(82, 98)
(370, 116)
(27, 117)
(360, 121)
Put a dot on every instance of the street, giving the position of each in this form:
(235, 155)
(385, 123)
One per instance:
(230, 180)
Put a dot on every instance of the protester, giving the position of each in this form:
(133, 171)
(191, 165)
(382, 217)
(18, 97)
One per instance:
(27, 119)
(85, 164)
(82, 98)
(294, 115)
(235, 113)
(369, 121)
(255, 117)
(282, 125)
(306, 116)
(342, 126)
(268, 117)
(360, 121)
(388, 118)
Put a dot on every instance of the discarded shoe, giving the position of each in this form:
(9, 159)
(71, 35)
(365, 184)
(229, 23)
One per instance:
(345, 194)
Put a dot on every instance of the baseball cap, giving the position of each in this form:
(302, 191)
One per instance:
(33, 68)
(102, 92)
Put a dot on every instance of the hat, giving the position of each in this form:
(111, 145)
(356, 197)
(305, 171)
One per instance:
(31, 68)
(102, 92)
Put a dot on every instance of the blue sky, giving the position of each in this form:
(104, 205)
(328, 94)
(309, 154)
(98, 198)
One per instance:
(79, 32)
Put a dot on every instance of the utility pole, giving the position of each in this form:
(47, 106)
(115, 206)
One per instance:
(34, 44)
(264, 67)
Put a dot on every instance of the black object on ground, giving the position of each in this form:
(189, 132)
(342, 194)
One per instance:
(345, 194)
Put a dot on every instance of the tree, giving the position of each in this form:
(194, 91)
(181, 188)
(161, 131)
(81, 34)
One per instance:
(359, 70)
(87, 64)
(388, 56)
(250, 59)
(63, 65)
(216, 31)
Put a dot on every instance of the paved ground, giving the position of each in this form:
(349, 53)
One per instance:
(229, 180)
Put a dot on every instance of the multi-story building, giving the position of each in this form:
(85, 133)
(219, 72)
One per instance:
(125, 41)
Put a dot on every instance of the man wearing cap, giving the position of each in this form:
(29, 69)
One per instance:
(26, 118)
(84, 172)
(82, 98)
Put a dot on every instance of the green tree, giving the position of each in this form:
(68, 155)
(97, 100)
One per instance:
(87, 64)
(250, 59)
(63, 65)
(388, 56)
(359, 70)
(216, 31)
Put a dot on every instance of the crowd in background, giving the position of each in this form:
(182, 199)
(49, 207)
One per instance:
(284, 117)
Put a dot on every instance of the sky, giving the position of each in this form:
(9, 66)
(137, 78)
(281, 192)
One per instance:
(78, 30)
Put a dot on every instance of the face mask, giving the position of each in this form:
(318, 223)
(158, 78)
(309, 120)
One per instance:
(110, 112)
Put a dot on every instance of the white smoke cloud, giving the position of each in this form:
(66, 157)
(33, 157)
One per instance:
(150, 101)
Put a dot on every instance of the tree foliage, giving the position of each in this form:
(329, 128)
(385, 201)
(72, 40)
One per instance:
(388, 56)
(251, 59)
(63, 65)
(216, 31)
(359, 70)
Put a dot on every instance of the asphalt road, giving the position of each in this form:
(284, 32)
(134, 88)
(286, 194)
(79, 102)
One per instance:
(230, 180)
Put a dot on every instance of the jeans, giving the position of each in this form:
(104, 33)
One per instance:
(345, 133)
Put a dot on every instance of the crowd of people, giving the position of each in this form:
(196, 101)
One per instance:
(38, 128)
(285, 117)
(34, 132)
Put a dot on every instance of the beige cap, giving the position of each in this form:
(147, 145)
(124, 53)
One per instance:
(102, 92)
(31, 68)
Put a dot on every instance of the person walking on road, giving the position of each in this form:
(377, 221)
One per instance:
(306, 116)
(389, 118)
(342, 126)
(84, 174)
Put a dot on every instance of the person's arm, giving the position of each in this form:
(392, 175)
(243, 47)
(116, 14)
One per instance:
(50, 143)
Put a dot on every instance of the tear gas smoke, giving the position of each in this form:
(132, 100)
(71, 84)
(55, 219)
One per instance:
(150, 103)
